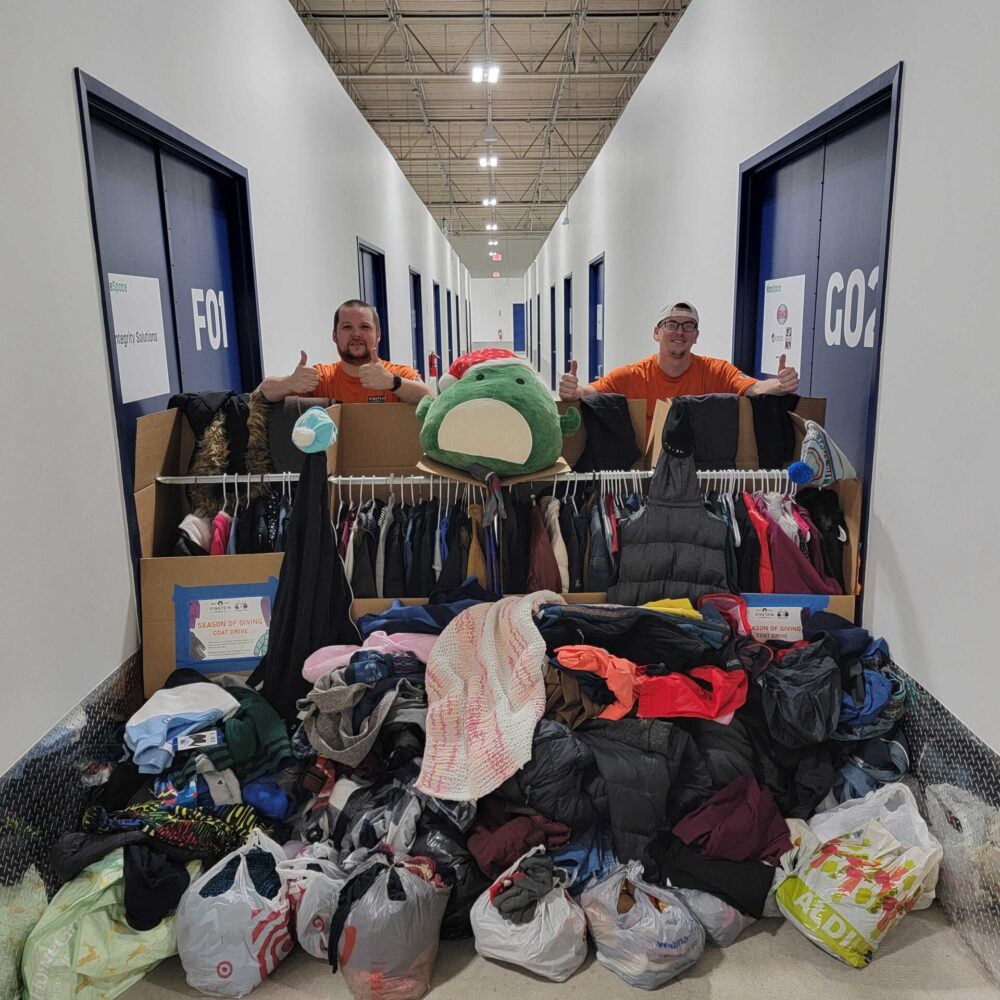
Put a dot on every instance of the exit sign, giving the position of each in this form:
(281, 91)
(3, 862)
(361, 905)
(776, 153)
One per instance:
(496, 274)
(496, 256)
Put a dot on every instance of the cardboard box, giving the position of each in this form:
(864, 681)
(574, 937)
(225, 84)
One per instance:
(808, 408)
(373, 440)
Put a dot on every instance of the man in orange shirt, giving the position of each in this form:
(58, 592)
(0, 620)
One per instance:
(675, 371)
(359, 376)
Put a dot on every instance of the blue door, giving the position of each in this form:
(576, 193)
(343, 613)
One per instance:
(174, 251)
(436, 295)
(596, 318)
(538, 331)
(371, 274)
(417, 323)
(204, 301)
(133, 244)
(451, 343)
(552, 338)
(531, 339)
(821, 222)
(518, 327)
(567, 321)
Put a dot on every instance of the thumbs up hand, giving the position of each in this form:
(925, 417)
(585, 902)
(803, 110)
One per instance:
(569, 384)
(788, 378)
(302, 381)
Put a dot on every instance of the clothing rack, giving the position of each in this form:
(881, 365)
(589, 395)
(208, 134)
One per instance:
(776, 479)
(230, 479)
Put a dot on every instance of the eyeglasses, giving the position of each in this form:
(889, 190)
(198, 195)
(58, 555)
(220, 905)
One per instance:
(672, 326)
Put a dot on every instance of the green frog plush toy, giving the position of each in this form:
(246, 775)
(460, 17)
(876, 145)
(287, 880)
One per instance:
(493, 412)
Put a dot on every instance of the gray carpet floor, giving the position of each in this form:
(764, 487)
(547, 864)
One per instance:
(922, 957)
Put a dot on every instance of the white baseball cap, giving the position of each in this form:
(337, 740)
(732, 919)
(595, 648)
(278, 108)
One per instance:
(677, 310)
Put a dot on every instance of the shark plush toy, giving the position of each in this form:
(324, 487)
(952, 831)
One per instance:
(493, 412)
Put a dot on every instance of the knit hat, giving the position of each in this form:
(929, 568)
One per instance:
(678, 432)
(822, 462)
(488, 357)
(314, 431)
(677, 310)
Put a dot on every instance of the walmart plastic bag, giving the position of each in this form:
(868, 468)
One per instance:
(895, 806)
(552, 944)
(233, 923)
(312, 886)
(654, 940)
(723, 923)
(390, 937)
(848, 894)
(83, 948)
(969, 831)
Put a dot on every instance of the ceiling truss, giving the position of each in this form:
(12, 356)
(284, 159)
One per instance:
(567, 70)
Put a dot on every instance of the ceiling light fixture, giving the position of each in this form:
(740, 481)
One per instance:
(492, 73)
(492, 243)
(477, 73)
(489, 202)
(488, 161)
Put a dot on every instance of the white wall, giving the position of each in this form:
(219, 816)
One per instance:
(247, 80)
(493, 310)
(661, 201)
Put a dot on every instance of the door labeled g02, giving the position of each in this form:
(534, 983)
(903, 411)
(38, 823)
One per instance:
(814, 239)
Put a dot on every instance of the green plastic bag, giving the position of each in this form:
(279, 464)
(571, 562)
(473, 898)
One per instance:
(83, 949)
(21, 907)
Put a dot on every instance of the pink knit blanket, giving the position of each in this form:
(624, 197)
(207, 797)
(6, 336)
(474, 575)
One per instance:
(485, 695)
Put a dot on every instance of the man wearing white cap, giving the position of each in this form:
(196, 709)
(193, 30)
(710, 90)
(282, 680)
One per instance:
(675, 371)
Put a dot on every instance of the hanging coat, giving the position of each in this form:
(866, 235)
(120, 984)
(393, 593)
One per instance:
(673, 547)
(312, 607)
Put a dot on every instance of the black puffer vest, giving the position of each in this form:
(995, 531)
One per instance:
(673, 547)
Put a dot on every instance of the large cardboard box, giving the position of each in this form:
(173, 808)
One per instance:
(373, 440)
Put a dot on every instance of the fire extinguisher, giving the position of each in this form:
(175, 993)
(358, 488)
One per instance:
(432, 364)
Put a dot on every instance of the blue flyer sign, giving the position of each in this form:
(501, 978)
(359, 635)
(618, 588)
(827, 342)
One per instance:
(223, 628)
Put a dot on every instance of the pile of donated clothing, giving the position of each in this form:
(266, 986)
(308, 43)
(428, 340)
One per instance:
(533, 773)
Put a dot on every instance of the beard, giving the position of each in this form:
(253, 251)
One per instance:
(356, 354)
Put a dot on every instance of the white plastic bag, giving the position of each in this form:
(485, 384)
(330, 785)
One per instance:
(552, 944)
(723, 923)
(896, 808)
(388, 946)
(231, 942)
(313, 887)
(848, 894)
(969, 831)
(645, 946)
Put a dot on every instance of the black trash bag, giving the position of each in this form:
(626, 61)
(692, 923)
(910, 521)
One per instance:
(440, 841)
(802, 694)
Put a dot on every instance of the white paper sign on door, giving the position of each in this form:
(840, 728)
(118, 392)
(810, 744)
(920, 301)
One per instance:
(599, 322)
(784, 308)
(137, 317)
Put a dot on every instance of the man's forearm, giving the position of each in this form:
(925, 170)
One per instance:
(765, 387)
(275, 388)
(587, 390)
(412, 391)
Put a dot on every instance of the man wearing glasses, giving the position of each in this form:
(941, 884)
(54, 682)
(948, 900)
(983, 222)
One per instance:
(675, 371)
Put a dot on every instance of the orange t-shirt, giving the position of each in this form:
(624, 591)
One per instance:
(335, 383)
(646, 380)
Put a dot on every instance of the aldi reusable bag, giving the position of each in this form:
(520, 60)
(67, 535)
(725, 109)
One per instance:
(849, 893)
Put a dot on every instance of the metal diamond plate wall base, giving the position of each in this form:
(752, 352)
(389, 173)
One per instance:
(957, 779)
(44, 793)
